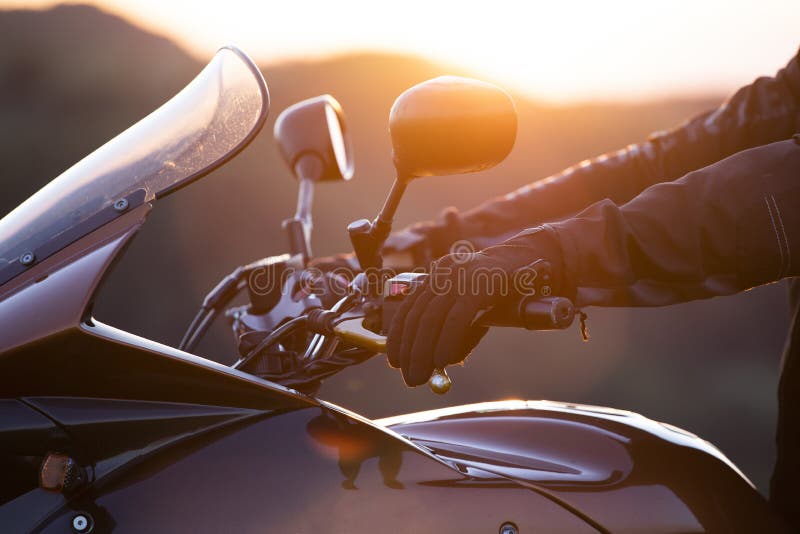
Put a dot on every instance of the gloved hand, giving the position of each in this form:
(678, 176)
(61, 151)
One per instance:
(433, 327)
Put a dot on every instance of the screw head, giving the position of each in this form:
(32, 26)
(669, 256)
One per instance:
(27, 258)
(82, 523)
(509, 528)
(121, 204)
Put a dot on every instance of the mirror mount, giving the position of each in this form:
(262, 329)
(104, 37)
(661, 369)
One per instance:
(298, 228)
(368, 237)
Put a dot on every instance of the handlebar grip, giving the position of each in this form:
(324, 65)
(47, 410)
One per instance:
(549, 313)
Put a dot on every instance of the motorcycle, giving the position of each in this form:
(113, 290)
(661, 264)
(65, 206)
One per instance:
(102, 430)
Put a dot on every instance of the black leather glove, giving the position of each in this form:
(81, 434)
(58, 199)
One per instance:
(434, 326)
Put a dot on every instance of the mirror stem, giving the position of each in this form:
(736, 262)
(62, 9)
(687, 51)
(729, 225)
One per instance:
(299, 227)
(305, 199)
(386, 215)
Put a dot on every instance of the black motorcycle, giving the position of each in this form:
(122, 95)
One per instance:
(102, 430)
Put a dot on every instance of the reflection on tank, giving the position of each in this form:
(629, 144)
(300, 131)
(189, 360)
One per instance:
(354, 443)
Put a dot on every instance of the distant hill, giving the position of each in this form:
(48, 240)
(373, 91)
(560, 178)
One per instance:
(72, 77)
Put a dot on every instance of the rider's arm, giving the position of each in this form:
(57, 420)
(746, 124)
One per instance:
(763, 112)
(722, 229)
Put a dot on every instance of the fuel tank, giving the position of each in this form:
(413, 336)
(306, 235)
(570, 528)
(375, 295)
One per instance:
(624, 471)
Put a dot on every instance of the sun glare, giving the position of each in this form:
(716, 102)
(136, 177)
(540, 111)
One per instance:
(558, 51)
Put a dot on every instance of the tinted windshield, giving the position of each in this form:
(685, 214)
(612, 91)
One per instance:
(209, 121)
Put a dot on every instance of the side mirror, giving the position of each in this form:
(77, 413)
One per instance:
(314, 141)
(315, 144)
(451, 125)
(447, 125)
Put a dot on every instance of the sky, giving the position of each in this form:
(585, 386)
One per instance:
(558, 51)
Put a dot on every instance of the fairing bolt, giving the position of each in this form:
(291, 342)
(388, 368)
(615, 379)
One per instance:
(508, 528)
(121, 204)
(27, 258)
(82, 523)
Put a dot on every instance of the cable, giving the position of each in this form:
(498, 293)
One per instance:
(200, 330)
(271, 338)
(218, 298)
(190, 330)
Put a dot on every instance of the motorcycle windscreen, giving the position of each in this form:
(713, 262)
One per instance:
(200, 128)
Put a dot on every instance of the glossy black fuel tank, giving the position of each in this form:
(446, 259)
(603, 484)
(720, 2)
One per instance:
(628, 473)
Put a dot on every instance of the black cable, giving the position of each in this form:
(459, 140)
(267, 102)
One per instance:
(201, 329)
(218, 298)
(271, 338)
(190, 330)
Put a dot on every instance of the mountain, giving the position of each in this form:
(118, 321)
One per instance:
(72, 77)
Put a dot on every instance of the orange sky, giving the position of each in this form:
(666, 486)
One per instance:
(556, 50)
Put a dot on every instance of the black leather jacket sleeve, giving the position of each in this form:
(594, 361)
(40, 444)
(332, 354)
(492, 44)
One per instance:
(763, 112)
(719, 230)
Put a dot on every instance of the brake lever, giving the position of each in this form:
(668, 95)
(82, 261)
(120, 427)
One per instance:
(353, 331)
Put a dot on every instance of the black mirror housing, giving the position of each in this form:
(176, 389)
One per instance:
(314, 141)
(451, 125)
